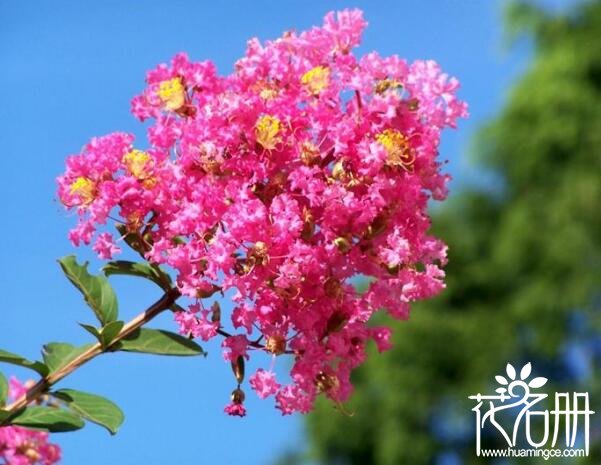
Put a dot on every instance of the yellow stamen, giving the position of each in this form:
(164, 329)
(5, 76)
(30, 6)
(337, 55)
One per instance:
(316, 79)
(85, 189)
(267, 131)
(28, 449)
(268, 94)
(383, 85)
(172, 93)
(310, 154)
(139, 163)
(399, 150)
(266, 90)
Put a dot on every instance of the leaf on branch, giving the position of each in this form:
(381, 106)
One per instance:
(94, 408)
(97, 291)
(58, 354)
(110, 332)
(15, 359)
(156, 341)
(91, 329)
(141, 270)
(131, 239)
(50, 419)
(3, 416)
(3, 389)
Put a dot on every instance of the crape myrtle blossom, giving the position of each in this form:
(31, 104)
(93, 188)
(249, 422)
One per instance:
(22, 446)
(305, 167)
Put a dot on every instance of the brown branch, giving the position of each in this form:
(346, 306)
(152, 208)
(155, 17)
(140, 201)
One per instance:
(42, 386)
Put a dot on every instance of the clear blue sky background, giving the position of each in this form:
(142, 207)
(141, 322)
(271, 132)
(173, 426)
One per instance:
(69, 70)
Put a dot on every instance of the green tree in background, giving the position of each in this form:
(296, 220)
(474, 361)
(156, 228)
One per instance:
(524, 277)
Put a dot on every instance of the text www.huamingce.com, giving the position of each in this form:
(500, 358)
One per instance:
(544, 453)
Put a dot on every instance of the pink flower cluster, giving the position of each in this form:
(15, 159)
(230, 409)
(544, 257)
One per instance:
(303, 169)
(21, 446)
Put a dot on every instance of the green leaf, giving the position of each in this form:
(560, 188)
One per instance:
(51, 419)
(131, 239)
(3, 416)
(3, 389)
(14, 359)
(157, 341)
(142, 270)
(94, 408)
(92, 330)
(96, 290)
(110, 332)
(58, 354)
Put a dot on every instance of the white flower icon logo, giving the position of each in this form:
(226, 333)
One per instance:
(534, 383)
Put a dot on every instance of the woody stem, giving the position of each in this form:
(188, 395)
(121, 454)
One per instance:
(44, 384)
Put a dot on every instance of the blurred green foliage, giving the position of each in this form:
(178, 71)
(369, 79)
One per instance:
(524, 277)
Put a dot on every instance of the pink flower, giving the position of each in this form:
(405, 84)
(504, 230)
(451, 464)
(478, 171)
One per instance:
(105, 247)
(243, 317)
(234, 409)
(195, 323)
(274, 187)
(234, 347)
(16, 389)
(264, 383)
(21, 446)
(292, 399)
(381, 336)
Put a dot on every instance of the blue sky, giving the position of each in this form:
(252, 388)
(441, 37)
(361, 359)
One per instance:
(69, 70)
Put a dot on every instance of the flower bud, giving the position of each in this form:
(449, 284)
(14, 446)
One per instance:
(216, 312)
(289, 292)
(134, 223)
(205, 293)
(413, 104)
(326, 382)
(209, 234)
(393, 269)
(276, 344)
(336, 322)
(342, 244)
(148, 238)
(308, 225)
(187, 111)
(338, 171)
(242, 267)
(332, 287)
(353, 181)
(279, 179)
(238, 396)
(238, 368)
(377, 226)
(258, 253)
